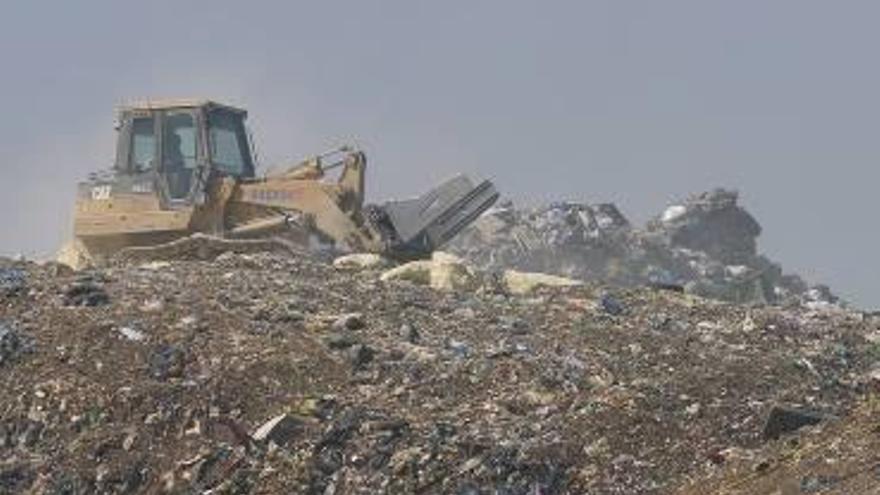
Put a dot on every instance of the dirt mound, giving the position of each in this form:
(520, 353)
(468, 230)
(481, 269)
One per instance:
(268, 373)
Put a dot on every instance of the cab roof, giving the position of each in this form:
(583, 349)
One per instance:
(170, 104)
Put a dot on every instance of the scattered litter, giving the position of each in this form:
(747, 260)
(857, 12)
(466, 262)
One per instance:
(280, 429)
(132, 334)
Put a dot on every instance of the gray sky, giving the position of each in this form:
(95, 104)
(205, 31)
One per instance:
(636, 102)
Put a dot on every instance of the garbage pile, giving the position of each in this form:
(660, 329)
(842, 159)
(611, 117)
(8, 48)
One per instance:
(271, 373)
(706, 245)
(835, 457)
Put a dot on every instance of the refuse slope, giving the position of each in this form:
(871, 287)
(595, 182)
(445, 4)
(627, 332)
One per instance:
(836, 458)
(154, 377)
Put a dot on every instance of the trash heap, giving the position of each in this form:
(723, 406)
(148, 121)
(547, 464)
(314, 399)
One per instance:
(705, 245)
(258, 373)
(836, 457)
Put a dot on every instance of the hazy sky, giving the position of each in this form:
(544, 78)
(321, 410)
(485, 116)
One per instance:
(636, 102)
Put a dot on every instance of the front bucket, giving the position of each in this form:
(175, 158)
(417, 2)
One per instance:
(425, 223)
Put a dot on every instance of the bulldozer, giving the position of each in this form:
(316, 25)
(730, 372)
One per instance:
(186, 169)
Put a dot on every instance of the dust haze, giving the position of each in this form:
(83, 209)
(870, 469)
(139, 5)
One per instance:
(636, 103)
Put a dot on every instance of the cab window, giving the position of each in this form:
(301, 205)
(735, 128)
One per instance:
(228, 144)
(179, 142)
(179, 154)
(143, 144)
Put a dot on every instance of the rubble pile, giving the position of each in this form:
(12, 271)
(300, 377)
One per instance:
(707, 246)
(271, 373)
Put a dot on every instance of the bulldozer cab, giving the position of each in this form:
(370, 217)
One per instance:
(174, 148)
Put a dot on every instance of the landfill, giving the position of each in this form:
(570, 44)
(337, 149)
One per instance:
(834, 458)
(705, 245)
(274, 372)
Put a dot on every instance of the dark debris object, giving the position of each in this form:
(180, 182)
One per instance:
(12, 343)
(13, 281)
(784, 420)
(86, 291)
(167, 361)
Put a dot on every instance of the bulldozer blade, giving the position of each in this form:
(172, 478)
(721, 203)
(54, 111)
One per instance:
(425, 223)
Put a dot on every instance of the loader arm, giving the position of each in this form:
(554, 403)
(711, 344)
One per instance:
(405, 229)
(325, 207)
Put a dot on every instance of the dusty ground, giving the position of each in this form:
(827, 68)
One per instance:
(158, 381)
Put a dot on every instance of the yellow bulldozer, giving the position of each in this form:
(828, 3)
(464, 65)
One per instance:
(186, 167)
